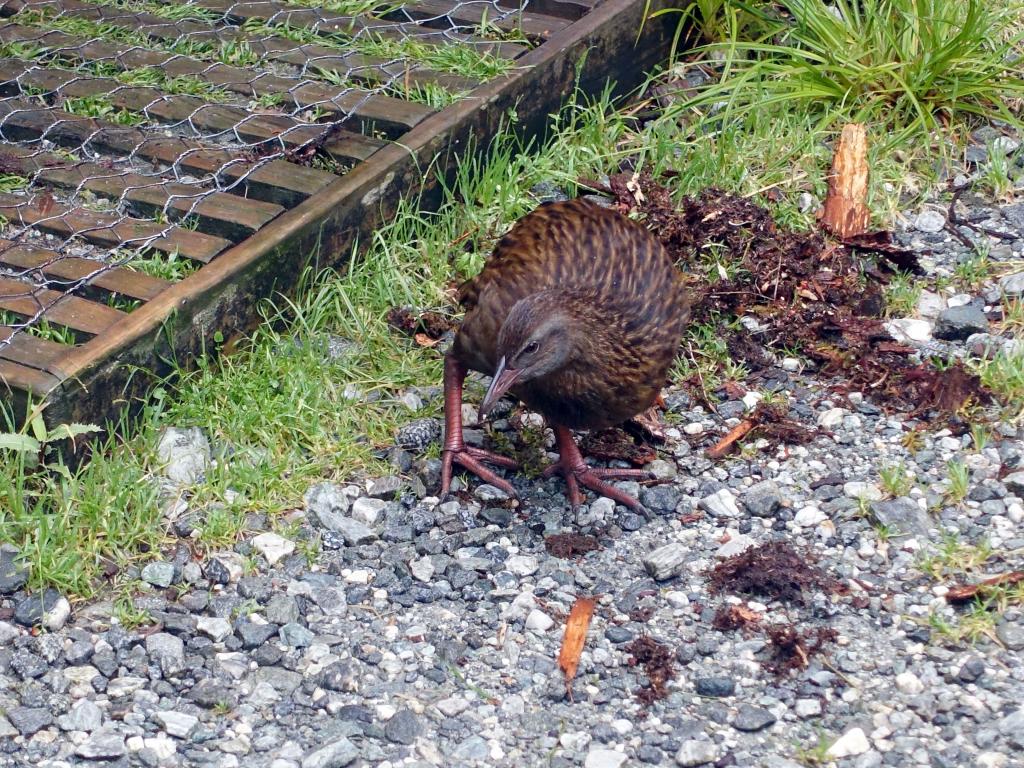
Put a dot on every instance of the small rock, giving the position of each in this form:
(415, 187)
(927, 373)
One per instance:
(909, 683)
(856, 489)
(522, 565)
(177, 724)
(720, 504)
(1011, 634)
(382, 488)
(832, 418)
(1012, 285)
(295, 635)
(168, 651)
(422, 569)
(734, 546)
(48, 609)
(13, 571)
(908, 329)
(751, 718)
(84, 716)
(488, 492)
(159, 574)
(1004, 145)
(806, 708)
(184, 454)
(808, 517)
(539, 621)
(763, 499)
(403, 728)
(717, 687)
(368, 511)
(1015, 482)
(102, 745)
(225, 567)
(326, 498)
(929, 304)
(214, 627)
(851, 743)
(693, 753)
(29, 720)
(902, 516)
(337, 754)
(693, 428)
(353, 532)
(929, 220)
(418, 435)
(666, 562)
(957, 323)
(273, 547)
(604, 758)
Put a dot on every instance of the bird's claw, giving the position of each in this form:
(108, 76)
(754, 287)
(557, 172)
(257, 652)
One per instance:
(472, 459)
(596, 479)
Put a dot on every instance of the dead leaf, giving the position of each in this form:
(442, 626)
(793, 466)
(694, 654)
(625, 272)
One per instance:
(964, 593)
(575, 636)
(425, 341)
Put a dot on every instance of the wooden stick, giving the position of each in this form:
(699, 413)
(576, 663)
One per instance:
(722, 447)
(846, 211)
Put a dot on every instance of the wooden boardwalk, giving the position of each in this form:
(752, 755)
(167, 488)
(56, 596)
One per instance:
(164, 166)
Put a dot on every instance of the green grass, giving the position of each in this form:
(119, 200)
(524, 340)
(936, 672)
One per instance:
(910, 65)
(42, 329)
(166, 266)
(902, 294)
(895, 480)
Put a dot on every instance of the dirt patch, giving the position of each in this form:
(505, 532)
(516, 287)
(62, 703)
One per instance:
(570, 545)
(793, 649)
(656, 660)
(775, 570)
(807, 291)
(729, 618)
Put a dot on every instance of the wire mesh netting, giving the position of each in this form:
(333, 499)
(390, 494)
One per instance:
(139, 139)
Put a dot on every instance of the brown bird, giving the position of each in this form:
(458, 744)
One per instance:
(579, 313)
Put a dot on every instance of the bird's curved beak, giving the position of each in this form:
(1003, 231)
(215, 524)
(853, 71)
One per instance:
(504, 379)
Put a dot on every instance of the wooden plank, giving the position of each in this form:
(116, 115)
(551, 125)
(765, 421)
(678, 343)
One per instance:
(42, 213)
(563, 9)
(72, 312)
(216, 213)
(277, 181)
(28, 350)
(51, 264)
(470, 13)
(17, 379)
(378, 112)
(189, 112)
(177, 324)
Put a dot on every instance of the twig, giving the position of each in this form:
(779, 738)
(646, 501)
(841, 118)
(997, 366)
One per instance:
(719, 449)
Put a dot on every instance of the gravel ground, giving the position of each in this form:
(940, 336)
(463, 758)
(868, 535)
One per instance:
(427, 633)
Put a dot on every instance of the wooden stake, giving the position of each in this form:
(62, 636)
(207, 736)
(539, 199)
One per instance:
(846, 211)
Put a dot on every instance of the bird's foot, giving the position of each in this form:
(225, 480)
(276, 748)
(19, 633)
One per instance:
(472, 459)
(576, 472)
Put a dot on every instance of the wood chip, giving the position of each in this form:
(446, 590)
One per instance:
(575, 636)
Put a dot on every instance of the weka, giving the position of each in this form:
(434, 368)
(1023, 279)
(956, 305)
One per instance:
(579, 313)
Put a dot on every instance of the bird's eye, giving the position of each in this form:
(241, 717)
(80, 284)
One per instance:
(530, 348)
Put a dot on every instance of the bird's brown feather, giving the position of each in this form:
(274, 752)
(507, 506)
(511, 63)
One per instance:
(616, 280)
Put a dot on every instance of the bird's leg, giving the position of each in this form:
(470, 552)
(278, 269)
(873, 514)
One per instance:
(576, 472)
(455, 449)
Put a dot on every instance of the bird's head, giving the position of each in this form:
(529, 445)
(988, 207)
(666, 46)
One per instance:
(536, 339)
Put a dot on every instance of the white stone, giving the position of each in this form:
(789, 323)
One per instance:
(851, 743)
(807, 708)
(1012, 285)
(177, 724)
(909, 683)
(677, 599)
(452, 706)
(214, 627)
(720, 504)
(832, 418)
(738, 543)
(422, 569)
(929, 304)
(694, 752)
(693, 428)
(574, 740)
(909, 329)
(367, 510)
(856, 489)
(930, 220)
(184, 454)
(163, 747)
(522, 565)
(791, 364)
(809, 517)
(539, 621)
(604, 758)
(272, 546)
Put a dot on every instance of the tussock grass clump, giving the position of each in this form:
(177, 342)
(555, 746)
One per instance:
(911, 65)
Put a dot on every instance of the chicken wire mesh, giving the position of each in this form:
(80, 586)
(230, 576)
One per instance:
(139, 139)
